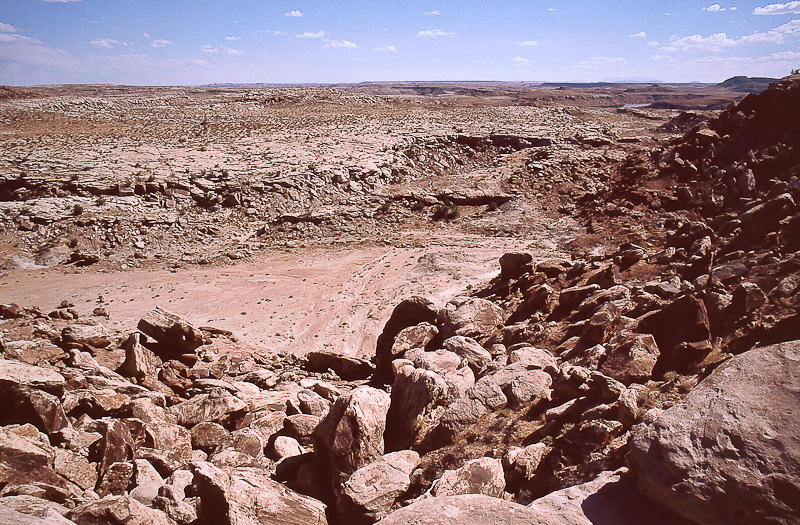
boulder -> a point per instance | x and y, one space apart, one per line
22 404
117 510
409 312
470 316
477 476
346 367
34 507
140 361
351 435
466 509
94 335
285 447
17 373
247 496
729 452
476 356
301 427
208 436
632 360
415 394
682 332
611 498
170 437
75 468
370 492
9 515
417 336
25 459
513 265
440 361
218 407
171 330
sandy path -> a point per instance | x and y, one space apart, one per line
301 300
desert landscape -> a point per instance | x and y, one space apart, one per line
400 302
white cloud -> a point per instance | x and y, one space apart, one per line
385 49
146 35
271 32
789 8
653 43
734 8
522 62
714 8
294 13
719 41
161 43
663 58
311 34
209 49
340 44
638 35
7 28
432 33
551 9
433 13
231 51
784 55
107 43
233 38
789 28
528 43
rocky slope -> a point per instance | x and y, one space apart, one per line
651 378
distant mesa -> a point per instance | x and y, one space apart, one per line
747 84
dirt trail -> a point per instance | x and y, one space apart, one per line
294 300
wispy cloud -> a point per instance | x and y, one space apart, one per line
432 33
385 49
107 43
310 34
340 44
208 48
653 43
714 8
789 8
521 62
433 13
271 32
528 43
719 41
294 13
160 42
233 38
594 63
7 28
231 51
638 35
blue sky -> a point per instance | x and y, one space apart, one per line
183 42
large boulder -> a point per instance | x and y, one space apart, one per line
117 510
94 335
17 373
372 490
415 394
409 312
345 366
247 496
682 332
351 435
632 360
611 498
730 451
217 407
466 509
140 361
477 357
470 316
172 331
22 404
476 476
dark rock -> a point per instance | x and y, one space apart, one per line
346 367
171 330
410 312
208 436
682 333
513 265
140 362
117 510
23 404
632 360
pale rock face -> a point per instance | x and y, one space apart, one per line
372 490
470 317
728 453
477 476
415 395
351 435
466 509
